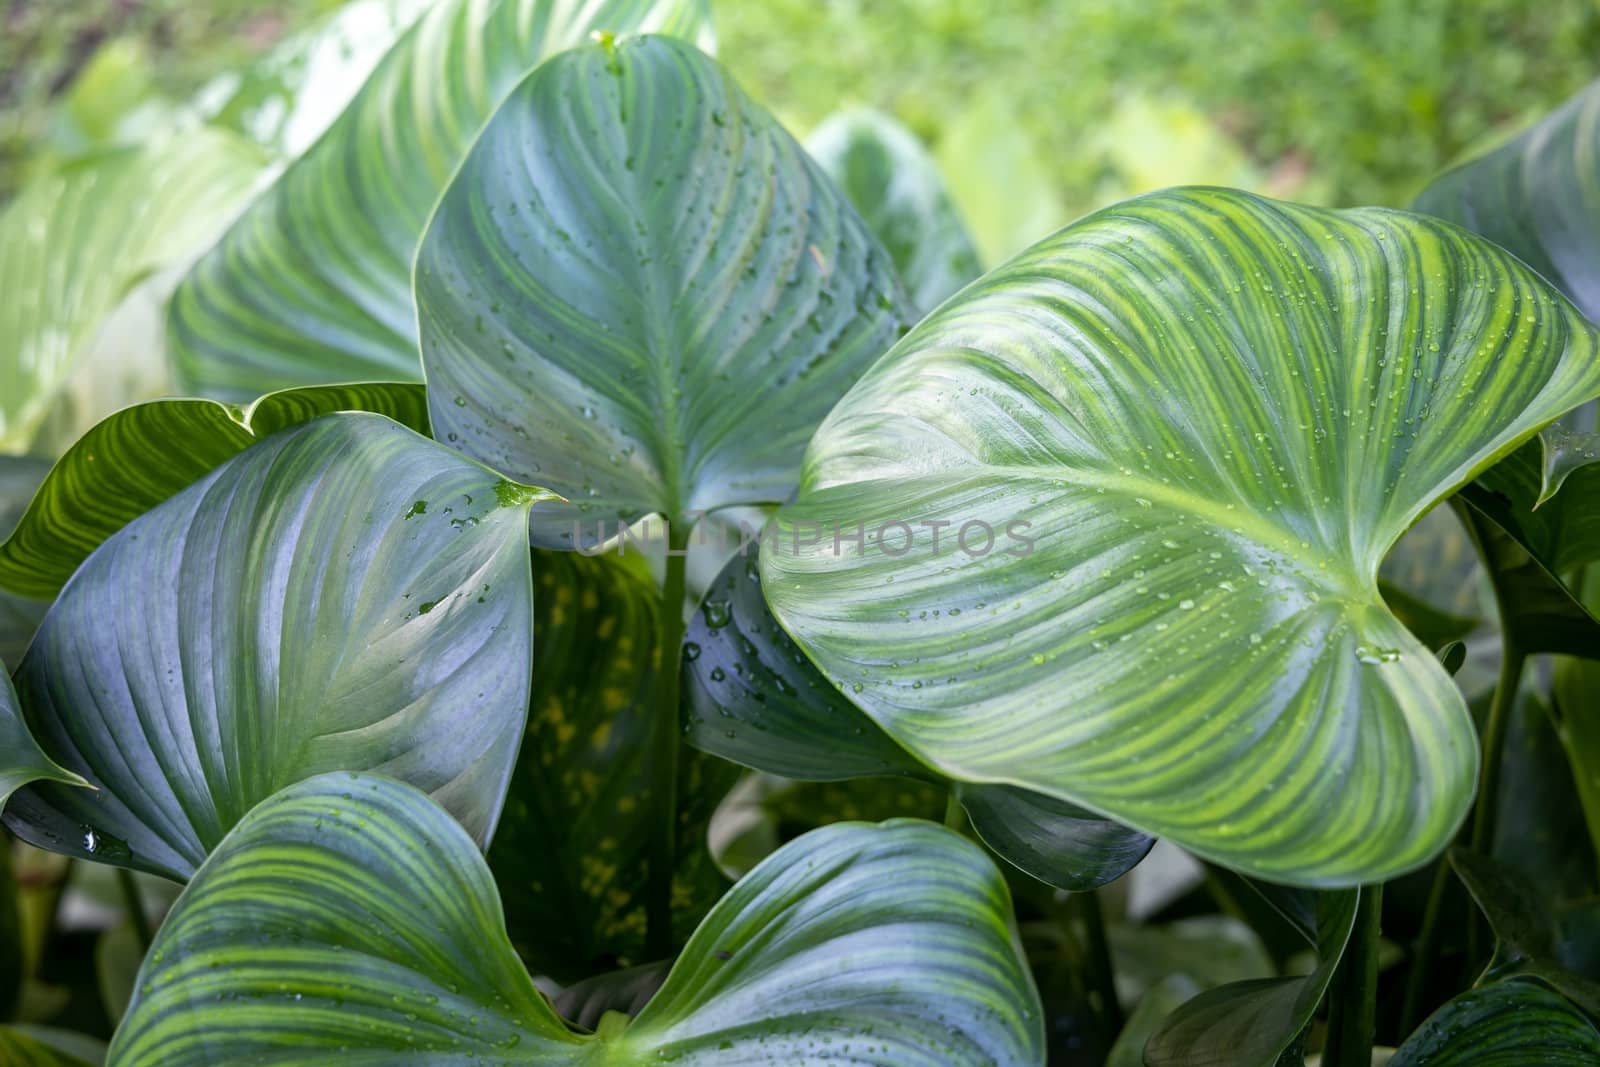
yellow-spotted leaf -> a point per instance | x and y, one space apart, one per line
343 595
348 919
76 241
640 292
572 849
312 285
1109 523
135 458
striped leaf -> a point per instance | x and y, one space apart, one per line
76 241
21 759
19 616
139 456
348 918
640 292
313 284
579 823
1506 1024
1172 444
1539 196
754 698
1252 1023
895 185
345 595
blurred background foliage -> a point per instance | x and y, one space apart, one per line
1063 104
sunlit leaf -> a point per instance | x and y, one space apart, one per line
358 923
640 292
1171 446
313 284
346 595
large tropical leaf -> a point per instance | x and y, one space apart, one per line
572 847
1506 1024
348 918
1172 444
754 698
139 456
344 595
639 291
895 185
74 243
21 759
1251 1023
1538 196
19 615
313 283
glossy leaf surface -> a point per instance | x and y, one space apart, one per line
347 595
75 242
571 850
139 456
1506 1024
1192 424
640 292
895 185
313 284
754 698
371 928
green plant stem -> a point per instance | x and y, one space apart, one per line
1102 978
955 816
1479 835
1353 1000
666 742
133 904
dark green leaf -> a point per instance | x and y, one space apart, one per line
1249 1024
895 185
29 1046
754 698
344 595
1507 1024
1193 424
585 1003
639 290
571 849
19 616
1576 701
313 284
1538 196
136 458
21 759
357 922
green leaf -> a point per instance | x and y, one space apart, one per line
21 759
139 456
1249 1024
1192 424
641 291
1507 1024
1576 701
572 847
357 921
76 241
753 697
345 595
1538 196
19 616
1433 582
1525 930
895 185
313 284
30 1046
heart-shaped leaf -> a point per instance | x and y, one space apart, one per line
572 848
1167 449
345 594
313 283
134 459
1539 196
21 759
358 922
641 291
754 698
895 185
1250 1024
73 243
1506 1024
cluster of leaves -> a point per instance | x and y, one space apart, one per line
369 649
